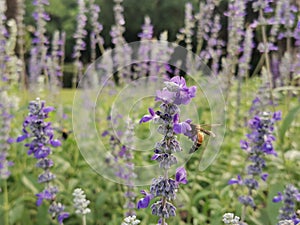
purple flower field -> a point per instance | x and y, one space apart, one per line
150 112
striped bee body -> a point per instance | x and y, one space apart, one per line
199 132
64 133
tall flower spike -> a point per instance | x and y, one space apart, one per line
145 48
257 146
40 41
174 93
121 158
6 104
42 139
122 56
96 39
80 202
3 40
79 36
289 197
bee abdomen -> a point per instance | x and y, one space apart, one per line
195 147
197 143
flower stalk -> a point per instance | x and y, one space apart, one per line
174 94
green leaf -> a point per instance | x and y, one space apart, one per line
29 183
16 213
293 113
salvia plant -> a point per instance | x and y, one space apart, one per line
81 204
238 39
174 94
121 158
287 212
95 37
230 218
41 136
79 36
7 103
40 42
259 143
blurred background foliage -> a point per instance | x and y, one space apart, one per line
164 14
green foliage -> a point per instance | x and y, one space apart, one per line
287 122
203 200
63 17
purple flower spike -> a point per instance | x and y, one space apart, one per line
41 135
180 175
164 187
289 197
258 145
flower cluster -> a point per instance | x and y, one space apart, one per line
204 21
122 56
213 50
186 33
40 41
97 29
258 145
6 104
80 202
145 48
130 220
42 139
3 39
174 94
121 158
230 218
79 36
290 196
287 222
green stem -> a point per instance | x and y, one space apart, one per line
6 203
238 101
164 200
258 66
288 95
83 220
243 216
267 58
75 73
101 47
199 47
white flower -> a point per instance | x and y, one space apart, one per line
80 202
286 222
130 220
229 218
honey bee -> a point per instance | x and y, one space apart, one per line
199 131
64 133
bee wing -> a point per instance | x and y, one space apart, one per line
208 132
211 125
